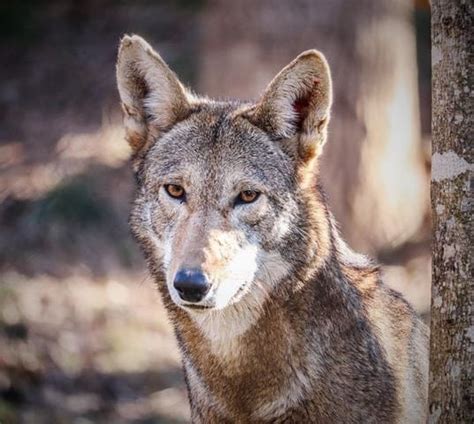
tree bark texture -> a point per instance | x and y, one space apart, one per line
372 168
452 329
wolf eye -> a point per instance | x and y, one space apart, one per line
247 196
175 191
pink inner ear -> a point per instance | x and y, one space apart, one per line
302 106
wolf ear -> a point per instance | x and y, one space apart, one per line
296 104
152 97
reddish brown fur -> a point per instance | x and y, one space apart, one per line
298 328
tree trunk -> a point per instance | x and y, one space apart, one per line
452 329
372 167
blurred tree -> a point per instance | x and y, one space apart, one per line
452 327
373 166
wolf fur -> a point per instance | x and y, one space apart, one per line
296 327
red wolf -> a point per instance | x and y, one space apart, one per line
276 318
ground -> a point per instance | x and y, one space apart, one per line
79 350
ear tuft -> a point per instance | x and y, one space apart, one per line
152 97
296 104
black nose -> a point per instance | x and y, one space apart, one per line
191 284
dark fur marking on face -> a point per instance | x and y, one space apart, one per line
217 126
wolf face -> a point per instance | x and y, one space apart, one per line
223 187
218 213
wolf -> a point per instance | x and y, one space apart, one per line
276 318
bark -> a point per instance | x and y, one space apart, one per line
452 329
372 167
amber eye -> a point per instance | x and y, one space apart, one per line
247 196
175 191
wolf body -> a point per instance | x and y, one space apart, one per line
277 320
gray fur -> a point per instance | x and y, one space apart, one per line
297 327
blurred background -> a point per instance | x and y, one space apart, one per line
83 335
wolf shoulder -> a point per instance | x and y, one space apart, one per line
404 339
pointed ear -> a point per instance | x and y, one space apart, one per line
296 104
152 97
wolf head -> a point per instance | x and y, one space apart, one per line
225 206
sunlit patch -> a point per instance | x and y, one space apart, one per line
11 154
106 146
241 271
75 153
